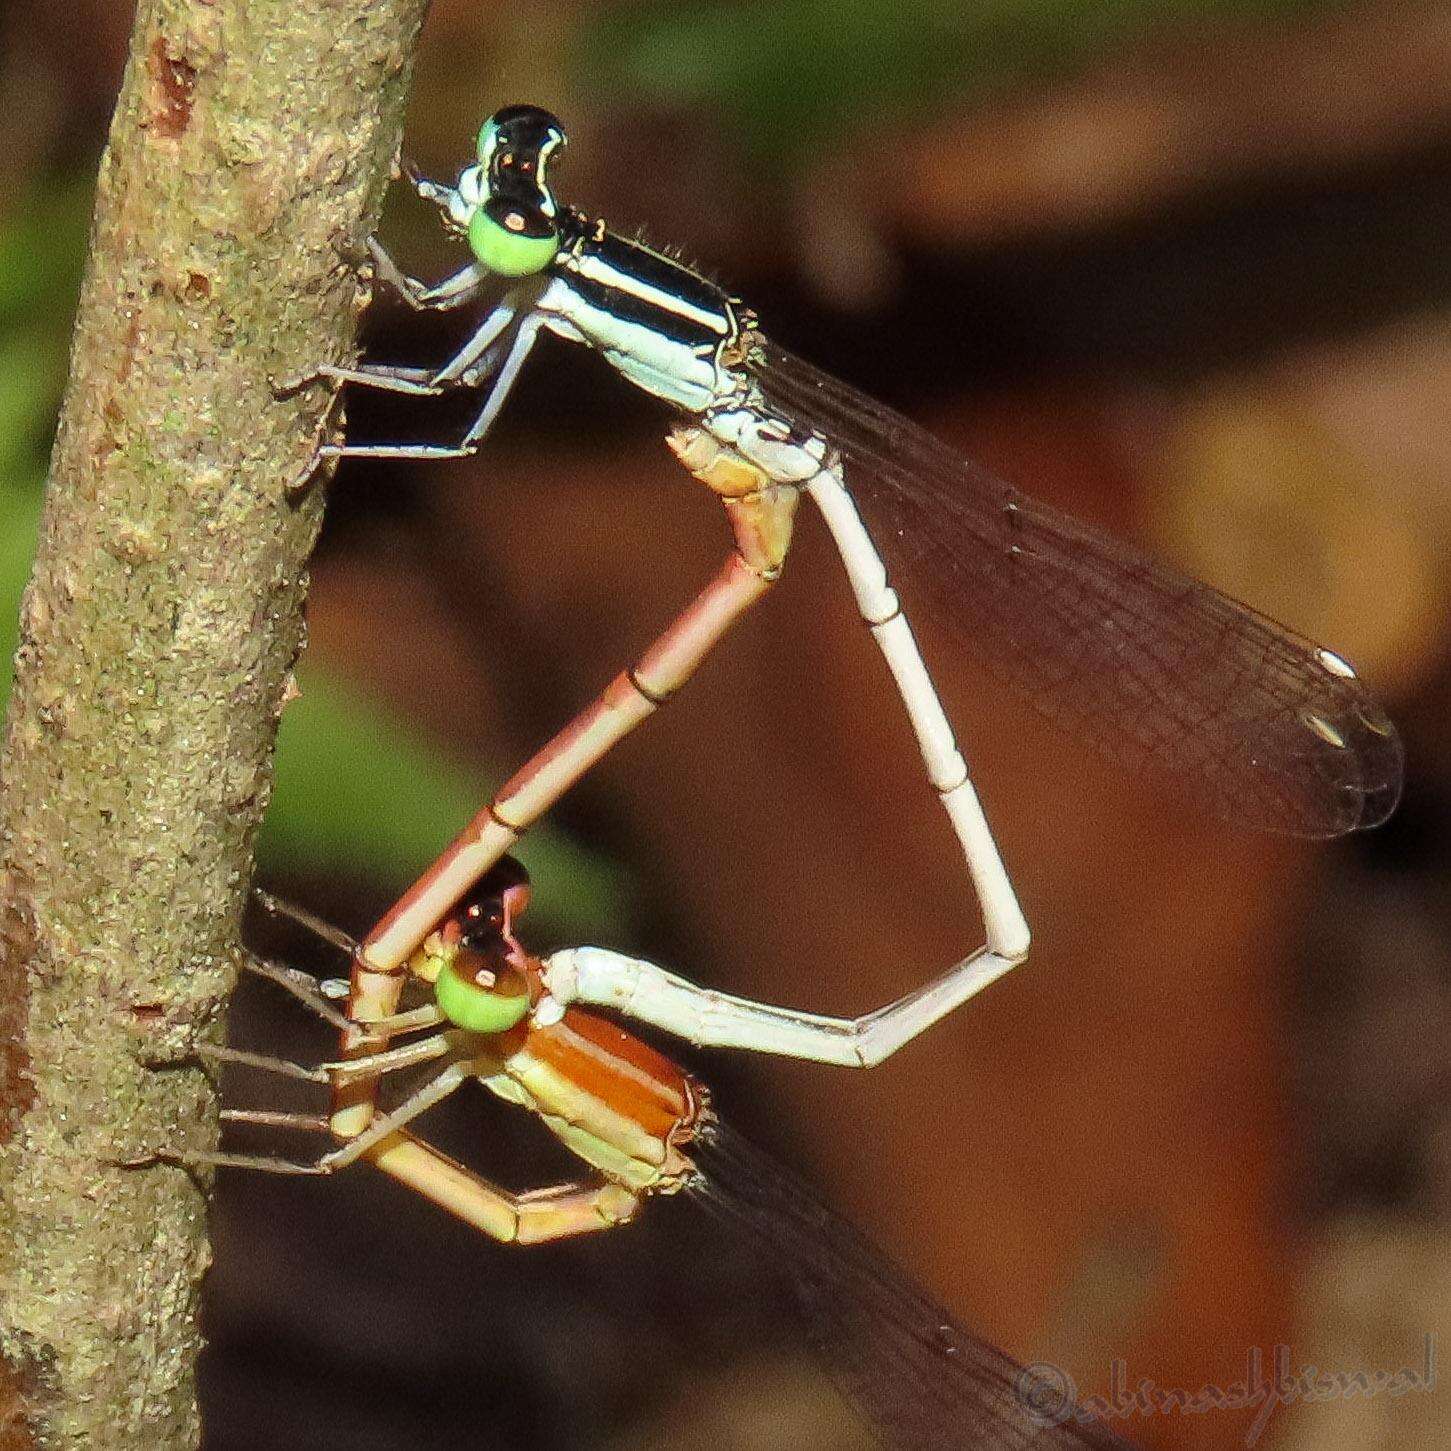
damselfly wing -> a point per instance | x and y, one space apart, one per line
1143 663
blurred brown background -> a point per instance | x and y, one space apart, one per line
1180 268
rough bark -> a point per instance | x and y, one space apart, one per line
247 161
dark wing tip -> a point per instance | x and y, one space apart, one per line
1358 753
1381 762
1320 771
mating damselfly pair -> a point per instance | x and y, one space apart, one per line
1126 654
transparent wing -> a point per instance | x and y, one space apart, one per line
1144 663
914 1375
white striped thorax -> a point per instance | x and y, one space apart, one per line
670 331
677 336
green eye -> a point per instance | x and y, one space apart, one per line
505 246
479 1009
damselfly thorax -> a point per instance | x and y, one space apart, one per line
663 325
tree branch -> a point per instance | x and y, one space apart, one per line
247 161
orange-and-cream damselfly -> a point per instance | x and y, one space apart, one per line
647 1128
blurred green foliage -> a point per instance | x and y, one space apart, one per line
358 793
792 76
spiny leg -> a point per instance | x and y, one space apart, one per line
383 377
305 990
468 445
285 1067
554 1212
300 986
419 1101
319 927
376 1064
395 378
273 1118
707 1018
434 1091
436 192
454 291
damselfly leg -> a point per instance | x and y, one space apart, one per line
454 291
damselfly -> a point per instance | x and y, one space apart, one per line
1128 655
647 1128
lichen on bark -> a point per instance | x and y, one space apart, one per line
247 160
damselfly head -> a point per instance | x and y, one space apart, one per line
482 991
488 914
482 983
505 203
480 926
516 146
